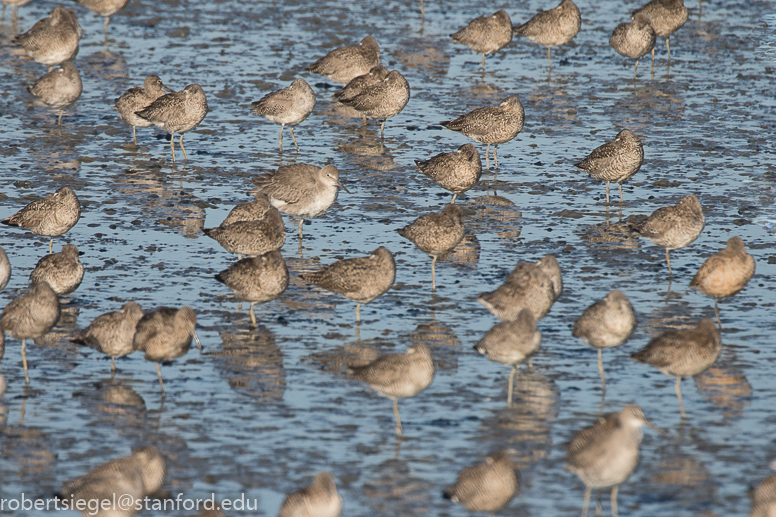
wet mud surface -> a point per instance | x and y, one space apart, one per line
265 409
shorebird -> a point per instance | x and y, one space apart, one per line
5 269
51 216
138 98
396 376
113 333
257 279
763 497
456 172
606 324
683 353
382 100
300 190
486 34
724 273
606 453
552 28
486 487
665 17
343 64
58 88
320 499
360 279
511 343
436 233
30 316
634 39
250 229
15 4
491 125
62 271
526 287
615 161
360 83
550 267
105 8
177 112
673 227
165 334
118 484
53 40
290 106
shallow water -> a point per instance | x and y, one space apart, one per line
263 410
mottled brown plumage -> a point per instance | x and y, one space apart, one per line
105 8
552 28
550 267
665 17
683 353
58 88
486 34
320 499
343 64
486 487
62 271
360 279
633 39
491 125
675 226
289 106
396 376
53 40
177 112
763 497
527 287
113 333
251 229
615 161
51 216
137 99
382 100
726 272
456 172
605 324
257 279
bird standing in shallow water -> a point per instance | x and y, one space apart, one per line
361 83
344 64
251 229
290 106
486 487
113 333
606 453
528 286
616 161
486 34
634 39
177 112
682 353
30 316
673 227
105 8
665 17
552 28
51 216
456 172
138 98
53 40
58 88
396 376
320 499
382 100
62 271
491 125
724 273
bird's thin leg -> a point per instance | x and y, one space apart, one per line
548 57
105 29
112 364
455 195
24 361
635 68
510 385
668 261
433 273
483 62
668 47
253 315
615 489
358 312
586 501
607 192
487 157
172 146
382 128
51 246
621 199
399 431
159 371
134 134
59 119
495 158
601 370
300 230
716 312
422 11
280 137
196 338
679 396
294 139
183 148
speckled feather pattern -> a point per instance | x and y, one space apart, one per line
320 499
257 279
486 34
59 88
511 342
137 99
554 27
665 16
62 271
290 105
113 333
251 238
634 39
360 279
436 233
165 334
382 100
177 112
608 322
527 287
51 216
343 64
52 40
683 353
675 226
456 172
486 487
32 314
398 376
617 160
493 124
300 189
726 272
362 82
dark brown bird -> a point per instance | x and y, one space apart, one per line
552 28
486 34
615 161
113 333
665 17
763 497
51 216
320 499
344 64
491 125
486 487
251 229
683 353
456 172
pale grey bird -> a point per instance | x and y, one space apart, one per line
550 267
62 271
633 39
287 106
113 333
5 269
552 28
138 98
319 499
665 17
456 172
491 125
615 161
606 324
512 343
486 34
382 100
486 487
177 112
50 216
53 40
396 376
15 4
30 316
606 453
343 64
58 88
